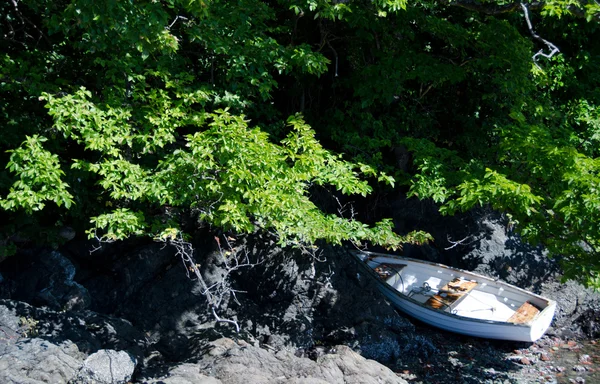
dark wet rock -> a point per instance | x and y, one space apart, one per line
578 310
107 366
126 276
32 361
589 319
288 300
44 278
90 331
294 309
305 299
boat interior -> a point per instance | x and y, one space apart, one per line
457 292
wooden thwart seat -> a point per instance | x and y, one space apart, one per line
450 293
387 270
524 314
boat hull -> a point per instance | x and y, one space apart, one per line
501 330
477 328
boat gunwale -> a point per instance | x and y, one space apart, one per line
551 304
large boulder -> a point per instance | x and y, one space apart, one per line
33 361
107 366
233 362
26 359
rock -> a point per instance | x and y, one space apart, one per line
47 278
107 366
545 356
307 300
67 233
124 278
525 361
585 359
62 292
294 310
233 362
90 331
288 301
10 326
184 374
32 361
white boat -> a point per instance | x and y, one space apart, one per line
459 301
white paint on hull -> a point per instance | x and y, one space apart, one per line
482 312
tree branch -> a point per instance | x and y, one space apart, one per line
553 48
23 20
491 9
499 9
217 292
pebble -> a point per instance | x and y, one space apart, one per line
585 359
544 357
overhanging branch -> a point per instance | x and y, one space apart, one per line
491 9
553 48
498 9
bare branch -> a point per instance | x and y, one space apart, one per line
459 242
219 319
491 9
23 20
499 9
100 240
553 48
174 21
217 292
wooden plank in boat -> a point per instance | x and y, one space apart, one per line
524 314
387 270
450 293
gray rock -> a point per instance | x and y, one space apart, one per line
90 331
10 326
185 374
233 362
32 361
107 366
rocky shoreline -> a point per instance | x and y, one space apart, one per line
129 313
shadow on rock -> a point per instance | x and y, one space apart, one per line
90 331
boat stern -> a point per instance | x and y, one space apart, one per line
541 323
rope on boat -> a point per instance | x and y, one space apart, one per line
421 290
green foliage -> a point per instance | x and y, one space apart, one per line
140 116
40 178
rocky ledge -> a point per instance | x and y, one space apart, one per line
58 349
130 313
